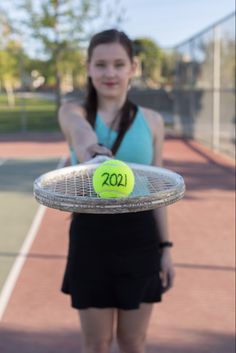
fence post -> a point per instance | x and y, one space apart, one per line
191 93
23 116
216 90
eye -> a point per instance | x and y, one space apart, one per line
100 65
120 64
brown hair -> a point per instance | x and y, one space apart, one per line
129 109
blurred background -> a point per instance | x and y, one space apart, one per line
185 53
185 50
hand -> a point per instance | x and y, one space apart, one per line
167 270
97 149
97 160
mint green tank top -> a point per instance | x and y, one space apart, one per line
136 145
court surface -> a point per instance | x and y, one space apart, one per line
196 316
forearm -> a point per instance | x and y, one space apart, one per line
79 133
90 148
82 138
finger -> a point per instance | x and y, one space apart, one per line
167 280
164 279
98 159
104 148
106 151
170 281
97 149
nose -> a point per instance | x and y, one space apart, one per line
110 72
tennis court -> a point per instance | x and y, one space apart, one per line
196 316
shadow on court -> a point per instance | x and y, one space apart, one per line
198 178
70 342
52 257
18 175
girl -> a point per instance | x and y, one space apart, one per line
118 265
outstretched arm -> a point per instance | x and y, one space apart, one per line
79 133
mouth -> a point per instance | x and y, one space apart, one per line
110 84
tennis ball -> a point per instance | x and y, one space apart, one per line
112 179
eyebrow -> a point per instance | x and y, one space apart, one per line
120 59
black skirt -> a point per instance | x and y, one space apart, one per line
113 261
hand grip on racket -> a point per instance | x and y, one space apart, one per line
99 150
97 159
70 189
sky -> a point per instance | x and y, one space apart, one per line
170 22
167 22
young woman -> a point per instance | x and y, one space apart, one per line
118 265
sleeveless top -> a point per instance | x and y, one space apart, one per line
136 145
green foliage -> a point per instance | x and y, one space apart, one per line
150 55
10 52
39 115
61 27
167 67
156 63
9 67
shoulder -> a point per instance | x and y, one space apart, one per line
71 117
70 110
155 121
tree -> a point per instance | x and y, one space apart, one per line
10 55
73 67
60 26
167 66
150 55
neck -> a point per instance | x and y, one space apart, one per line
110 106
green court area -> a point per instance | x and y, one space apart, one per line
18 206
28 114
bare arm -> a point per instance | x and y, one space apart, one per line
157 124
160 213
79 133
167 269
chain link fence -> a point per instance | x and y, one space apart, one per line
204 87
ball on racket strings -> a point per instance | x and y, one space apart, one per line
113 179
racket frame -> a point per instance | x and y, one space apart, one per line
85 204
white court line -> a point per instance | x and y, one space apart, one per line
22 255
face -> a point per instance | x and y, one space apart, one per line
110 69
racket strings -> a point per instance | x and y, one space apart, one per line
86 185
151 183
71 189
80 184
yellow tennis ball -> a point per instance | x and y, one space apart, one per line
112 179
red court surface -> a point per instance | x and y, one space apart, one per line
196 316
32 145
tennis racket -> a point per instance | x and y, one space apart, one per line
70 189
